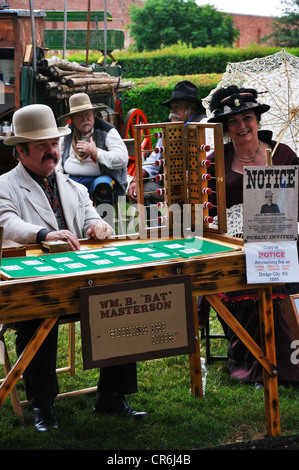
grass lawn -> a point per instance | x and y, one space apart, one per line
229 412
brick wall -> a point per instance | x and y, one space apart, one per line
252 28
117 8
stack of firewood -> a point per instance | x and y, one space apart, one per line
61 79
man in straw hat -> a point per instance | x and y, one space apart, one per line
94 153
38 203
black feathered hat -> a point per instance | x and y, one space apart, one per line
234 100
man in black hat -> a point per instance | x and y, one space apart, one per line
184 106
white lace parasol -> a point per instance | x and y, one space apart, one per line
276 77
234 217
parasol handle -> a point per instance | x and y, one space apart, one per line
293 114
268 157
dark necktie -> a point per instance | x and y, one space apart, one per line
55 202
48 187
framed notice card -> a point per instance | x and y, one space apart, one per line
270 195
136 320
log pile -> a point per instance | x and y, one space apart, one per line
61 79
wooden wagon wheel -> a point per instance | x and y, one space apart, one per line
135 116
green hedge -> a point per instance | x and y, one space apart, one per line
151 91
155 73
183 60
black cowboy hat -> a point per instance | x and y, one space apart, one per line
185 91
234 100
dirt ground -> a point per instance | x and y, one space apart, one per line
268 443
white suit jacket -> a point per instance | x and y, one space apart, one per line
25 209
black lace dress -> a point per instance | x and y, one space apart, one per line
244 305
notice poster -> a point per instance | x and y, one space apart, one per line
270 206
270 219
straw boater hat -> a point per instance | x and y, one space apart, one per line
80 102
34 122
185 91
234 100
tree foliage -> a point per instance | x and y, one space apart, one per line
286 28
162 23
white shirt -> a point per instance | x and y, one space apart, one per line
150 166
115 158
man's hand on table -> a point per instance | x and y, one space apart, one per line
99 230
65 235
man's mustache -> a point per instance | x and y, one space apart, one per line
49 156
176 116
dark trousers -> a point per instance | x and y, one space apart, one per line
40 378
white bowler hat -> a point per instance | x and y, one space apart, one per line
34 122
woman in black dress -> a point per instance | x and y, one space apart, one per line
240 112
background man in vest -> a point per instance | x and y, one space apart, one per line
94 153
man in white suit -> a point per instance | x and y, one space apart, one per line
39 203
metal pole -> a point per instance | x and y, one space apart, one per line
33 44
64 27
33 35
88 29
105 35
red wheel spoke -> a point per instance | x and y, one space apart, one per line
133 118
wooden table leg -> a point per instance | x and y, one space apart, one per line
268 346
72 345
194 358
242 334
265 355
26 356
13 394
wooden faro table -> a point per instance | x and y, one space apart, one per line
52 296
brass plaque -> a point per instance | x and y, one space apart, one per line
137 320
